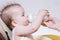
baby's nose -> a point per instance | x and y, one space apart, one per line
29 21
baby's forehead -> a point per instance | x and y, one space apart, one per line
13 9
12 6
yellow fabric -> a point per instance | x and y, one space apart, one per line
52 37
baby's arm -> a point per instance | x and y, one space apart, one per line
21 30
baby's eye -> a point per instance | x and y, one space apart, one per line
23 15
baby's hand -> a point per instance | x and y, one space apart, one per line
43 12
45 15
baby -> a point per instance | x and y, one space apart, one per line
15 18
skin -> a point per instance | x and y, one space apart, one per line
21 23
53 23
24 27
33 27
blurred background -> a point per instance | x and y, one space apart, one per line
33 6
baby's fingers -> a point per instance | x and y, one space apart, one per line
44 12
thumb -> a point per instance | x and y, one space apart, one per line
49 24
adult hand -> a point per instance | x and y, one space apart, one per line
53 23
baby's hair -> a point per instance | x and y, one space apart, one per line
8 6
4 15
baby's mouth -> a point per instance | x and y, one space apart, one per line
29 22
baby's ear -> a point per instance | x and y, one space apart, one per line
14 23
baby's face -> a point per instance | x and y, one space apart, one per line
19 17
